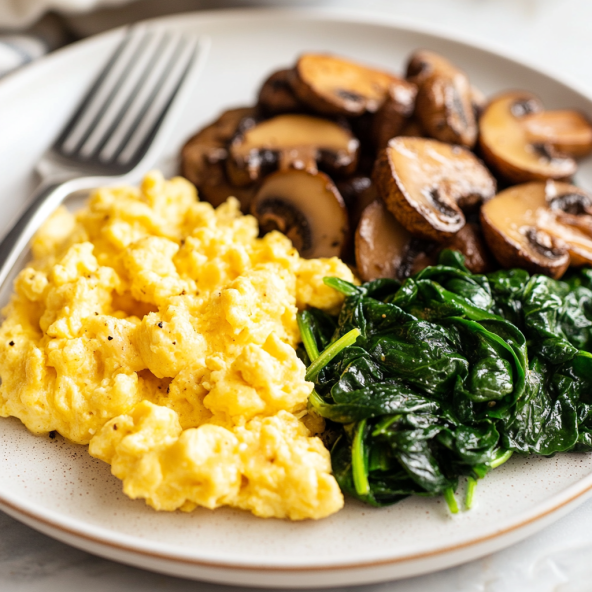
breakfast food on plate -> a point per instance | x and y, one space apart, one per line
522 149
204 159
360 134
161 332
447 375
307 208
290 140
425 183
542 227
202 352
451 371
444 103
335 86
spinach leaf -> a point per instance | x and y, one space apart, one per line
545 419
429 381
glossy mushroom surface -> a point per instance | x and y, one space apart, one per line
381 243
204 155
291 140
445 99
276 95
542 227
425 183
508 146
568 132
307 208
337 86
395 112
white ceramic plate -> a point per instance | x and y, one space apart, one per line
60 490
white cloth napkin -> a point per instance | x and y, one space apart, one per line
20 13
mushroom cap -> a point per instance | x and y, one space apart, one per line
470 242
568 132
291 140
424 183
395 112
204 155
307 208
535 226
445 99
381 243
276 95
569 218
336 86
507 147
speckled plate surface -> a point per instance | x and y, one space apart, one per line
59 489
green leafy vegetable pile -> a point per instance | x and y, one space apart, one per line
448 374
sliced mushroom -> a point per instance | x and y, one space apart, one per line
291 141
507 144
385 249
381 243
444 102
425 183
204 155
307 208
276 95
469 241
333 85
391 118
569 219
540 226
568 132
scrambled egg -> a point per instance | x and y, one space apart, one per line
161 332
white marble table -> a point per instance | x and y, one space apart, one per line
554 34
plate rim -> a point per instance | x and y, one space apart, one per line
78 528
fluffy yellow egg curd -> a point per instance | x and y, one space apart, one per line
161 332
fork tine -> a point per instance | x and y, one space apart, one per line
137 72
100 93
155 108
122 114
144 95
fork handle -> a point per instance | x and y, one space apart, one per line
44 202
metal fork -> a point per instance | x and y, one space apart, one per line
119 128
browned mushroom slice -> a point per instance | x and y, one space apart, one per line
385 249
507 146
307 208
568 132
381 243
525 226
425 183
444 103
333 85
469 241
204 155
569 218
291 140
276 95
391 118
